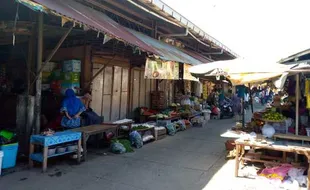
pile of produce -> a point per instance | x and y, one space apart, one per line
126 143
273 116
159 116
139 127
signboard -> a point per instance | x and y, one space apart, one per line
158 69
187 75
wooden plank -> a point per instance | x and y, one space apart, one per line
291 137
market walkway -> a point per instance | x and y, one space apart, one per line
190 160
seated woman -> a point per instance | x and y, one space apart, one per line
91 118
72 108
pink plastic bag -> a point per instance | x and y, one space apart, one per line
278 172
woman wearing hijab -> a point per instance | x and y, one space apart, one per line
72 107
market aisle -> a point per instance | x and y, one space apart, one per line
188 161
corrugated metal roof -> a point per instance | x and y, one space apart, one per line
94 19
197 56
166 51
101 22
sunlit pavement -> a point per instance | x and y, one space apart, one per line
190 160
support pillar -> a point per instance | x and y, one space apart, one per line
39 74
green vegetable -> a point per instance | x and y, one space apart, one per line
126 143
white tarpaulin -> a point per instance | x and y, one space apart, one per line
240 71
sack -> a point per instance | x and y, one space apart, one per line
117 148
136 139
171 130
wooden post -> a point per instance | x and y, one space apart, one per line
251 98
242 111
39 74
297 94
87 68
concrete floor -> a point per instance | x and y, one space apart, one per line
190 160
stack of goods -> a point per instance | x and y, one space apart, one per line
71 75
158 100
59 77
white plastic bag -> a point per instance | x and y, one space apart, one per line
268 131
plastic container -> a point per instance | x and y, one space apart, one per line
10 155
1 157
61 149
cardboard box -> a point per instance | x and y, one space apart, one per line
46 77
71 77
71 66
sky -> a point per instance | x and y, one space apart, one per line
254 29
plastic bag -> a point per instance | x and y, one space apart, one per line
136 139
171 130
117 148
182 124
268 131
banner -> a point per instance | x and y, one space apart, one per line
158 69
187 75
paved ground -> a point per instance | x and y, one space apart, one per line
190 160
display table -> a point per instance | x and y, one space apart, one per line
240 144
94 130
58 138
292 137
121 133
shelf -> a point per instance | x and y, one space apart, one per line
39 156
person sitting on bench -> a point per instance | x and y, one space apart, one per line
91 118
72 108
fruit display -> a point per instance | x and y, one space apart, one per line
273 116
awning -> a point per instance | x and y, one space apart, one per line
93 19
100 22
166 52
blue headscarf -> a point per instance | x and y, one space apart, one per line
71 103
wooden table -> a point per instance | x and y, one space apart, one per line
292 137
120 133
59 138
94 130
240 144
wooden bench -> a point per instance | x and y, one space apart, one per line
94 130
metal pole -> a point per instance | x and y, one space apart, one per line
297 94
39 74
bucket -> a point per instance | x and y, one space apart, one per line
10 154
1 156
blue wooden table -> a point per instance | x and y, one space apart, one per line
58 138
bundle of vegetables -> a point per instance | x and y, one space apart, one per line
126 143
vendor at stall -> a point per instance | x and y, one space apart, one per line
72 108
89 115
